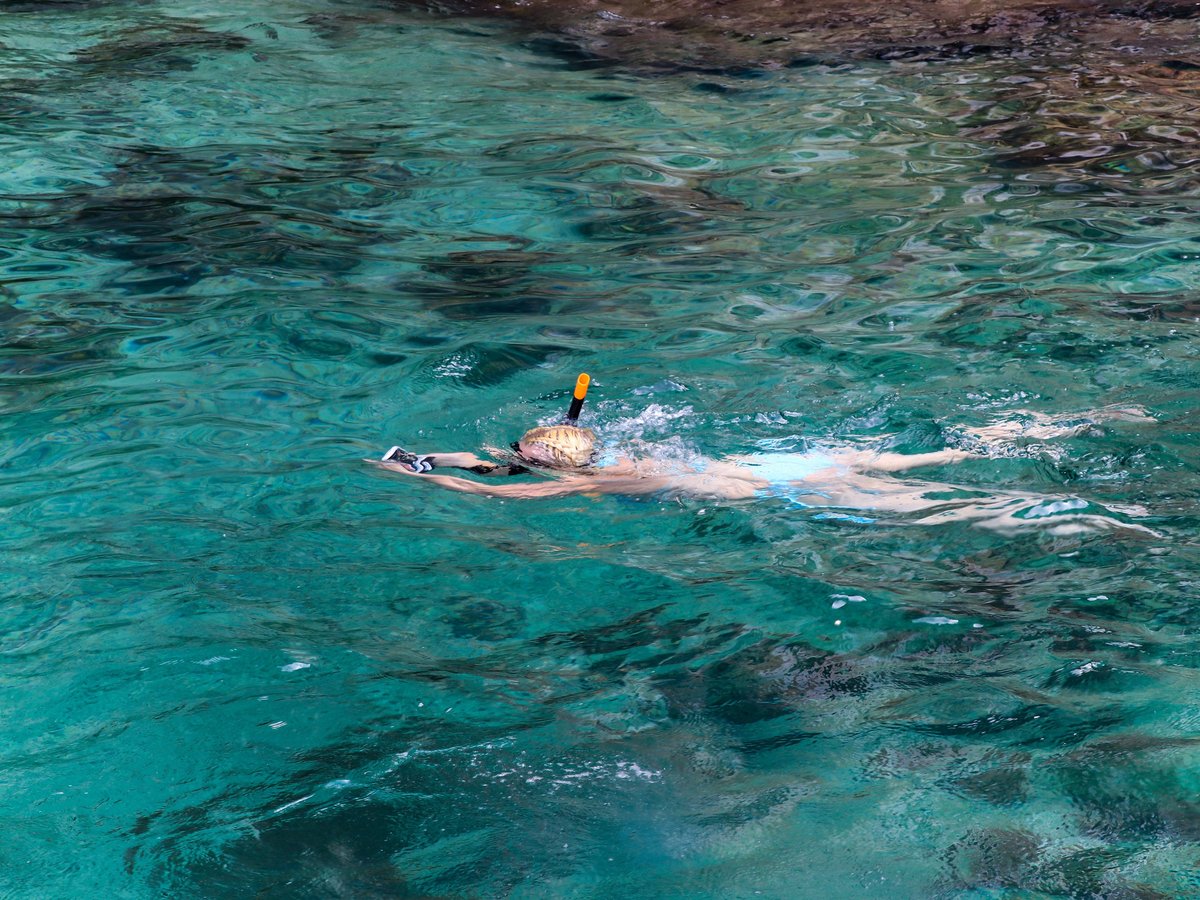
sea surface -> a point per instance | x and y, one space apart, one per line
245 246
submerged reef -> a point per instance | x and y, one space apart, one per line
1099 90
722 35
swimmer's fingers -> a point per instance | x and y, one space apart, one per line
402 468
1038 429
1039 426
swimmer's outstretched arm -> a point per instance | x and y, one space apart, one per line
511 491
564 486
558 488
477 464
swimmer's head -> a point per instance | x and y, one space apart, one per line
558 446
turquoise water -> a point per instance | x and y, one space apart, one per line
243 250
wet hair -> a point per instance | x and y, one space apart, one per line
561 446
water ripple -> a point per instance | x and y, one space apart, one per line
244 249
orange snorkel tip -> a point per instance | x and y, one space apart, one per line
581 388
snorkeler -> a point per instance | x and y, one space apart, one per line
833 478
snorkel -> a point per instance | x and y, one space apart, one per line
581 386
563 446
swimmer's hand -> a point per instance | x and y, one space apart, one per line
402 467
404 459
420 464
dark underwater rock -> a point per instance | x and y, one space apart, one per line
158 48
483 619
482 364
343 27
1002 786
1010 859
762 682
177 216
1133 788
996 858
37 6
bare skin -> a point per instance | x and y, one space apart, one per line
854 480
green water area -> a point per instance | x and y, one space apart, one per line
245 246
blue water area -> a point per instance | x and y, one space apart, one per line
246 246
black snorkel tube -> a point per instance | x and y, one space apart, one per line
581 388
